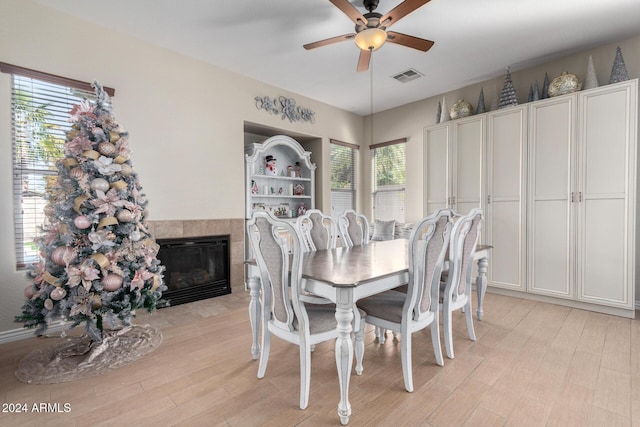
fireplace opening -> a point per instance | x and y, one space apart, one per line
195 268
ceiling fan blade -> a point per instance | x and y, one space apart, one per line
409 41
400 11
363 60
331 40
349 10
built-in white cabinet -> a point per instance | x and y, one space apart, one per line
551 232
454 153
557 180
606 199
583 186
283 191
505 214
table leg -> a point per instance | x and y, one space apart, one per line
255 311
344 349
481 284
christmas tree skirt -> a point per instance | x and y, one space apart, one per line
79 357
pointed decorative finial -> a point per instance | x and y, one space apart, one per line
590 79
619 69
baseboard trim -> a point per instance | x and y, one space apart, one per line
630 314
22 333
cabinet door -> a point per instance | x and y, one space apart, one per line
468 157
550 239
606 213
437 166
505 213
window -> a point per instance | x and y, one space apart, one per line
40 105
389 178
343 176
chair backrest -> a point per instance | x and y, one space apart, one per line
319 231
280 271
462 248
428 244
354 228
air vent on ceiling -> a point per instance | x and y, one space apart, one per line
408 75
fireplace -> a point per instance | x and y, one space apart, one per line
195 268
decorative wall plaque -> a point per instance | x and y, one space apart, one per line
286 107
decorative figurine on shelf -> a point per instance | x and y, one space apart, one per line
254 187
298 190
298 170
302 209
270 167
280 190
290 172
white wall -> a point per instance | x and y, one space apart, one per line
185 120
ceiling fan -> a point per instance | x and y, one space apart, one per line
371 29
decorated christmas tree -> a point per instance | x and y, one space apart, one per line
98 260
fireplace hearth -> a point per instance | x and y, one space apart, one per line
195 268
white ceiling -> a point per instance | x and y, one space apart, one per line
475 40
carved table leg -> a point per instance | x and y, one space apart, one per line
481 284
255 312
344 349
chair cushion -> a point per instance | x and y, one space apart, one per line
383 230
386 305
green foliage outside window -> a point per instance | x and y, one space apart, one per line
389 165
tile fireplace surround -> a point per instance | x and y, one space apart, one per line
171 229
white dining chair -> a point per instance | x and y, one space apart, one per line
455 293
279 261
354 228
416 309
319 231
440 213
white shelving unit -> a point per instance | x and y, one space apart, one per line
277 193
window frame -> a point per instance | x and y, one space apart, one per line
36 171
400 187
354 175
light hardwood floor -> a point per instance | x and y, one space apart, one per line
533 364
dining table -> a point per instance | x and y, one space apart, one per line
345 275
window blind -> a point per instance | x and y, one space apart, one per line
388 163
344 176
40 112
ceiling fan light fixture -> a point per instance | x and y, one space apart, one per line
371 39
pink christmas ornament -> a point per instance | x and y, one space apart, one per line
126 169
106 148
82 222
63 255
125 215
111 282
29 291
100 184
48 304
76 173
57 294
